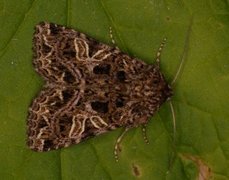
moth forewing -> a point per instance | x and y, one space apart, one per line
91 88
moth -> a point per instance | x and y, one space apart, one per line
90 88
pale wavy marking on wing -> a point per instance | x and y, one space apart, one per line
98 118
100 55
82 49
81 126
79 122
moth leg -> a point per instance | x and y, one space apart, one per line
158 56
144 134
111 36
117 144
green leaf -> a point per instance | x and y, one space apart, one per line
200 98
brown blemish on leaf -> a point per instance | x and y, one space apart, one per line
204 170
136 170
168 18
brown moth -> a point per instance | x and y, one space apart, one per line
91 88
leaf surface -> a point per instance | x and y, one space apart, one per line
201 98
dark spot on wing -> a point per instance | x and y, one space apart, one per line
121 76
102 69
101 107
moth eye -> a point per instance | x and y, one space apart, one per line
102 69
119 102
101 107
121 75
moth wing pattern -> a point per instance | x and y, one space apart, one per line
91 88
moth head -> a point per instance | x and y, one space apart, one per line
160 88
168 92
165 89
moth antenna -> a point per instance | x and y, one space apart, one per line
183 57
117 144
158 56
144 134
180 66
185 52
174 119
